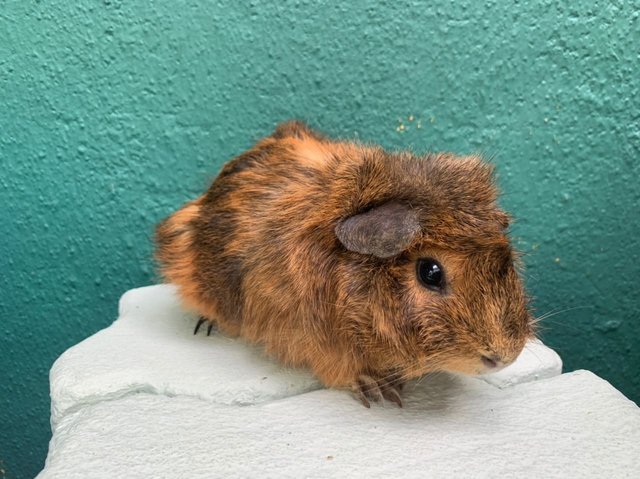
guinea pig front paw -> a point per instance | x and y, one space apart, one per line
367 388
210 327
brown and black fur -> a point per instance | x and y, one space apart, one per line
309 247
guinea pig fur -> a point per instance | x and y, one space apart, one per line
366 266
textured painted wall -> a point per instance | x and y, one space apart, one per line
112 114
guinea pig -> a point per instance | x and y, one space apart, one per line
368 267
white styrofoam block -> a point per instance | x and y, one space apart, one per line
145 398
573 425
151 348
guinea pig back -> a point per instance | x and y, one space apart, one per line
368 267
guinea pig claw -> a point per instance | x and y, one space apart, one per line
390 393
360 395
200 321
366 388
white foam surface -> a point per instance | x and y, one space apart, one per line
151 348
146 398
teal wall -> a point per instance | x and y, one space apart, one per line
114 113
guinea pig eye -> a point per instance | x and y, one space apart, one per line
430 274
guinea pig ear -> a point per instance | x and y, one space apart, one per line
383 231
295 129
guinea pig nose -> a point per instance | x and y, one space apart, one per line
490 361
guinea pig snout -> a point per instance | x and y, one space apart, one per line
491 362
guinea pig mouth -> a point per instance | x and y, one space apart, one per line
480 365
491 364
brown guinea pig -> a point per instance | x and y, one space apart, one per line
366 266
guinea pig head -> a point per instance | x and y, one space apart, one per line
433 262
